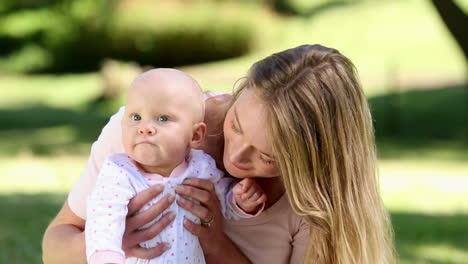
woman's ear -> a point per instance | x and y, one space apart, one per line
199 130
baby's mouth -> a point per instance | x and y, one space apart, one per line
146 142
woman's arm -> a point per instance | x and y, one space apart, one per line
217 247
64 240
300 243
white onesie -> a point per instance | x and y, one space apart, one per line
120 180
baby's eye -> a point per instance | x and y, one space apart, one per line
163 118
135 117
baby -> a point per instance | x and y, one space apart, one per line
161 129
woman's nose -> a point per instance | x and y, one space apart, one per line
240 153
147 129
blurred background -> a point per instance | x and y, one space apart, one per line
64 65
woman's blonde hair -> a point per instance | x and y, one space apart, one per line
323 142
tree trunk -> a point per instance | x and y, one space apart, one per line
455 20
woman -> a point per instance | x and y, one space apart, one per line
300 125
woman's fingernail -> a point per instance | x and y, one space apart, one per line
166 246
172 216
188 181
171 198
181 200
179 188
158 187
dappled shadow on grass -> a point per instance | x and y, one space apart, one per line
24 220
414 231
415 120
46 130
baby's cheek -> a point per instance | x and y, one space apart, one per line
126 142
176 144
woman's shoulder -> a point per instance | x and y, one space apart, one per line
210 94
216 107
280 227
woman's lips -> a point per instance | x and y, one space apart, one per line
238 166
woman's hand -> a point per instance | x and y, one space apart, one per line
132 236
217 247
211 236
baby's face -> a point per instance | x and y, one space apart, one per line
159 120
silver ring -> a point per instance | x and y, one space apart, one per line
207 223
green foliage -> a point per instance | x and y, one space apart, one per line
77 35
182 35
9 6
305 7
28 58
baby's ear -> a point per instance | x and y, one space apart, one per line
199 130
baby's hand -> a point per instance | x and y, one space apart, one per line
248 195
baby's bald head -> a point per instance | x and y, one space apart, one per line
176 86
165 108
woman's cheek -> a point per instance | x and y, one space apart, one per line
273 170
266 170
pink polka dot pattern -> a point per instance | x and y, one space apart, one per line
120 180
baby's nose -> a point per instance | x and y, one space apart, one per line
147 130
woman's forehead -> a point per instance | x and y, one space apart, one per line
250 114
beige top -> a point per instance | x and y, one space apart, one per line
276 236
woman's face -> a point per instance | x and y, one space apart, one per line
247 147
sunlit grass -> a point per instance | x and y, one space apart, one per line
390 42
30 174
438 252
394 44
407 185
70 90
426 186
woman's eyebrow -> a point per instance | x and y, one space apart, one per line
237 120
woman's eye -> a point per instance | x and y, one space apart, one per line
267 161
163 118
234 128
136 117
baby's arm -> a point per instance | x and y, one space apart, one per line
107 211
249 196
